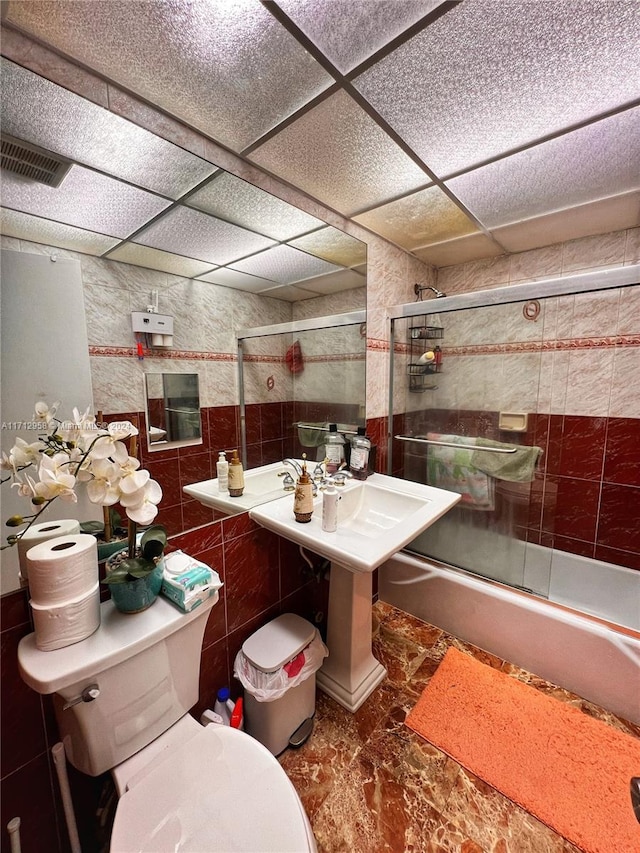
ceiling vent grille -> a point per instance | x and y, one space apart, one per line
33 163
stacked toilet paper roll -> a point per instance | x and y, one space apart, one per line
65 592
41 533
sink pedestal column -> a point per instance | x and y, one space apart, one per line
351 673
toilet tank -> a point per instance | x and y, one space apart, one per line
146 667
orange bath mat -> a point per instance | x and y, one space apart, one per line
572 772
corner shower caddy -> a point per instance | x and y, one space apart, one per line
418 336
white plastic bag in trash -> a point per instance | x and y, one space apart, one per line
269 686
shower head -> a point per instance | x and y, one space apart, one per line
418 288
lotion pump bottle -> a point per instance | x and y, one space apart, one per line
303 497
330 509
236 476
222 470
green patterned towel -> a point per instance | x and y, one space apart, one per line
518 467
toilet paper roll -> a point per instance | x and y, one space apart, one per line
40 533
157 340
66 623
62 569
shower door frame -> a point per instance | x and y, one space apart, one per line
292 327
602 279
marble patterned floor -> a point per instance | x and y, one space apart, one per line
371 785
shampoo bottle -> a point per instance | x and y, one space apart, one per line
334 449
330 509
236 476
303 497
359 459
222 470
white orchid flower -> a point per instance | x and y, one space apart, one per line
45 413
25 485
111 443
103 487
133 480
23 454
6 464
130 466
56 481
80 451
140 505
81 429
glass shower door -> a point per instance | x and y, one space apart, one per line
473 428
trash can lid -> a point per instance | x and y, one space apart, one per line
278 642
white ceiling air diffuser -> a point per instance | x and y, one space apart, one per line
32 163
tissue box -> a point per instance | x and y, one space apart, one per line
188 582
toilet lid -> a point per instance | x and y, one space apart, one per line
222 791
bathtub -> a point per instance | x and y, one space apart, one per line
595 658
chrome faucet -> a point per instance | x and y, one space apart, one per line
296 467
338 478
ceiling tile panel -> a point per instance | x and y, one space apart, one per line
597 161
335 282
338 154
284 265
489 76
599 217
188 232
471 247
428 216
334 246
226 67
36 110
239 280
237 201
348 32
154 259
289 293
85 199
27 227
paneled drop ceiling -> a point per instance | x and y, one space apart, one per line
456 130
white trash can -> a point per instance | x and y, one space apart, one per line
277 667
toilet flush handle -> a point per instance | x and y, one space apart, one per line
88 695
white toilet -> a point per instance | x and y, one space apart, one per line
121 700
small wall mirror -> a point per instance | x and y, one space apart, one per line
173 409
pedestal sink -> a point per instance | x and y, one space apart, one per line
376 518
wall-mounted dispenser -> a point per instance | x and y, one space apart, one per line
157 327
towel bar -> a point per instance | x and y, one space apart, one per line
453 444
303 425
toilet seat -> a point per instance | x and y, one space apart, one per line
220 791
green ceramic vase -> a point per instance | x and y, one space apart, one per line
136 595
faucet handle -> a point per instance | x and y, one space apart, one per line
288 484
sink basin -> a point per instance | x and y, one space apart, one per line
260 486
376 518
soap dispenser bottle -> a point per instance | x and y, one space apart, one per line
236 476
359 459
222 470
303 497
334 449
